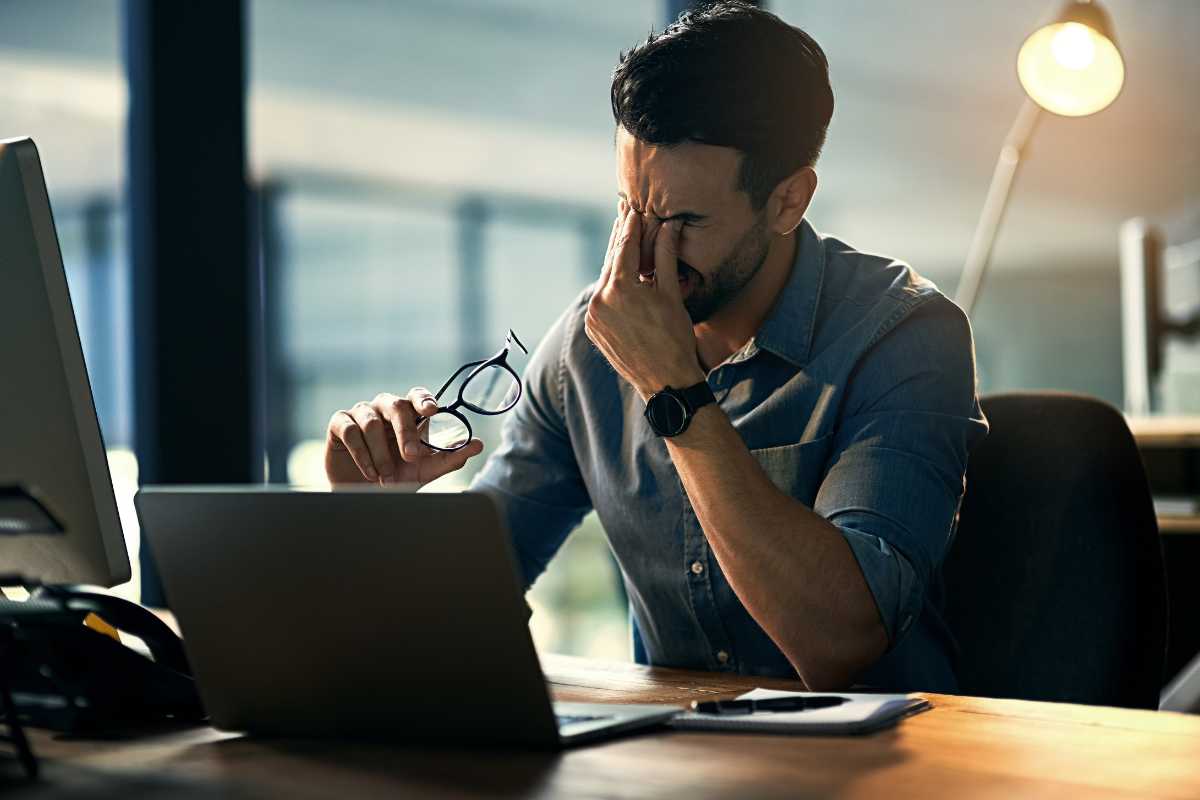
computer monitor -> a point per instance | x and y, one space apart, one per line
50 442
1160 301
1141 313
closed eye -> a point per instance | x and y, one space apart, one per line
685 218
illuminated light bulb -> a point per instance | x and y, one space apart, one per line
1072 46
1071 68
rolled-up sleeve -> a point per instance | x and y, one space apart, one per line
898 466
534 476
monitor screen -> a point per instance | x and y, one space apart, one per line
51 447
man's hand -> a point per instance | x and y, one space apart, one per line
378 442
639 322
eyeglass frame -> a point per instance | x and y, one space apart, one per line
476 367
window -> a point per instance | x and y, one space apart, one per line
433 174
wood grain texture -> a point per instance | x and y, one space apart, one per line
1173 523
964 747
1164 431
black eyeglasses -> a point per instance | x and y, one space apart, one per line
491 387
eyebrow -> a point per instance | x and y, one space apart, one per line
686 216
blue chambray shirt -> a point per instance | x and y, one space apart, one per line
857 397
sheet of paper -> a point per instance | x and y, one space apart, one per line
767 694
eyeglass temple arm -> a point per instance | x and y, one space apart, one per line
512 337
454 377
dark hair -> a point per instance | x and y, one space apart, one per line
732 75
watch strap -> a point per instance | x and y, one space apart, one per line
697 396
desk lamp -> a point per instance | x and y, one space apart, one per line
1071 67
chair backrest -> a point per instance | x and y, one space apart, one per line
1055 587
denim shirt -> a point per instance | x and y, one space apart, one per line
856 396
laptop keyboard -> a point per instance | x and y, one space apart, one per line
569 719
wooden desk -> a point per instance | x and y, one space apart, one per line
964 747
1164 431
1170 448
1174 523
1161 433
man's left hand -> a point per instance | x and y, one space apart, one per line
637 321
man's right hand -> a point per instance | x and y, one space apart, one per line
378 442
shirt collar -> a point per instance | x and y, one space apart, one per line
788 329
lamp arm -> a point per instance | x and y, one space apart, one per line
1186 327
980 254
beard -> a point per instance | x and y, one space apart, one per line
717 289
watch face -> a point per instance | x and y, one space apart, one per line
666 414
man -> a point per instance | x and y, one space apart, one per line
772 427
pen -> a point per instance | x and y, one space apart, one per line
771 704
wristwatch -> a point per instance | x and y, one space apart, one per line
670 411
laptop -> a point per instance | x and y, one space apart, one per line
361 614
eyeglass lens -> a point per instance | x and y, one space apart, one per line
445 431
494 389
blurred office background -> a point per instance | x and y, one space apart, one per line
427 175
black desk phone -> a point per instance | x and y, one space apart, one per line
70 676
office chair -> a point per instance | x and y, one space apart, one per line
1055 588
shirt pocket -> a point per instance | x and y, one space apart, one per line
797 469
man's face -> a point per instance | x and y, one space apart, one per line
723 241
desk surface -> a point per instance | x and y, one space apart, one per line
964 747
1171 433
1163 431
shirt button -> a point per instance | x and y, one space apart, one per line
697 568
722 656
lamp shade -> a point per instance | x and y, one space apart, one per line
1072 66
